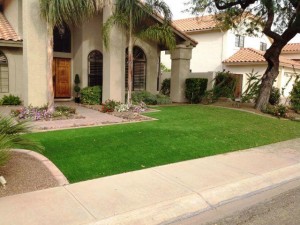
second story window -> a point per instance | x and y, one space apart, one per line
239 41
263 46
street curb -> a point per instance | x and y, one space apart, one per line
57 174
190 205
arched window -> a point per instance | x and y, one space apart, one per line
139 69
62 38
95 68
4 78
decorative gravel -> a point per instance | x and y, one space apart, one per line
24 173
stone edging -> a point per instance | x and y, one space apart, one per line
57 174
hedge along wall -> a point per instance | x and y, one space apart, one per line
210 76
195 89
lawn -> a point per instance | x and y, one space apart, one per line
181 133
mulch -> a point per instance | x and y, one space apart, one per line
24 173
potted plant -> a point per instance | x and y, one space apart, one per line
77 88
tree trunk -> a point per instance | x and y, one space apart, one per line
272 57
266 87
130 62
50 70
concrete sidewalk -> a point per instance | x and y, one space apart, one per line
158 195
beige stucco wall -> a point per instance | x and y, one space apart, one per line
15 70
291 55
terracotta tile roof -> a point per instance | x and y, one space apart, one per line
250 55
7 33
293 47
196 23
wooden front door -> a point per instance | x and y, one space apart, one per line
62 77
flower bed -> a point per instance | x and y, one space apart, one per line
42 113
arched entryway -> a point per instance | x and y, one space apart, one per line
139 69
95 68
4 76
62 65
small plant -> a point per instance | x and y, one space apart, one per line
77 88
166 87
10 100
109 105
195 89
163 99
295 96
277 110
91 95
253 85
142 107
275 96
122 108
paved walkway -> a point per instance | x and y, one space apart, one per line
158 195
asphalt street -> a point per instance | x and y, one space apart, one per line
280 206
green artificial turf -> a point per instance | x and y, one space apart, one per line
181 133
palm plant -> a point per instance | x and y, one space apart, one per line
58 12
135 19
11 136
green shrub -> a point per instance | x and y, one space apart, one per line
195 89
275 96
225 85
163 99
166 87
295 96
10 100
149 99
277 110
91 95
110 105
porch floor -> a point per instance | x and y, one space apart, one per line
91 118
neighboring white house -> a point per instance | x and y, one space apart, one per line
230 50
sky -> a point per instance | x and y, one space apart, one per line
177 6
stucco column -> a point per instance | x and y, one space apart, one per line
34 55
181 58
114 63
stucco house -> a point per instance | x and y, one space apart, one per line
79 50
234 51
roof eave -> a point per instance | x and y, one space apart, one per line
14 44
243 63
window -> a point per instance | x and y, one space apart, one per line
95 70
263 46
62 38
239 41
4 79
139 69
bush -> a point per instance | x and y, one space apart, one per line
166 87
91 95
195 89
275 96
295 96
10 100
277 110
163 99
149 99
225 85
110 105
